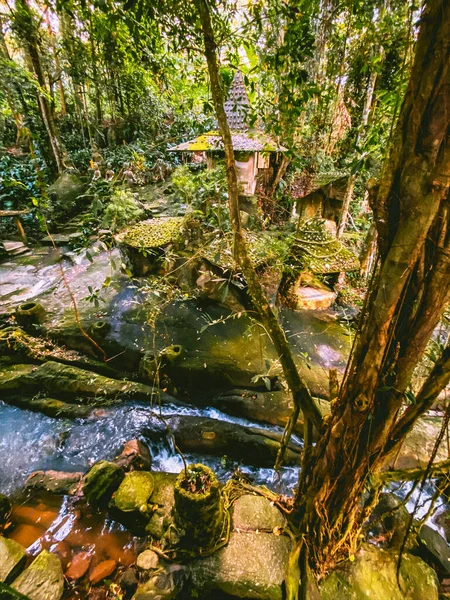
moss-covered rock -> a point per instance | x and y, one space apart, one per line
52 407
43 579
58 378
64 196
153 233
12 376
101 482
144 244
134 491
373 575
264 247
255 513
252 565
315 249
166 584
163 500
12 559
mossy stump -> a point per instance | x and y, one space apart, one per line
30 313
144 245
199 514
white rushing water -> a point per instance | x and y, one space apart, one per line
31 441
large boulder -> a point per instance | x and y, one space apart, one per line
64 196
418 445
389 522
43 579
268 407
252 565
373 575
12 559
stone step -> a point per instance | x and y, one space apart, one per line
61 239
15 248
11 245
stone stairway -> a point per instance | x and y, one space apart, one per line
43 579
15 248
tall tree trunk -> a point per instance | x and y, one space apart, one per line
98 101
411 290
361 134
17 116
26 29
301 395
62 94
368 252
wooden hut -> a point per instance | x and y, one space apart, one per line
258 156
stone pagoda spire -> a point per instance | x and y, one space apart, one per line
237 104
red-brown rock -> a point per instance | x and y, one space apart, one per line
102 570
26 535
79 566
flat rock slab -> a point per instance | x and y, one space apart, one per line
12 557
61 239
55 482
310 298
210 436
43 579
71 381
252 565
255 513
102 571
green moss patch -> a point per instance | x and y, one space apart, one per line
134 491
316 250
153 233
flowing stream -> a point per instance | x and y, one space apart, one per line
30 441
